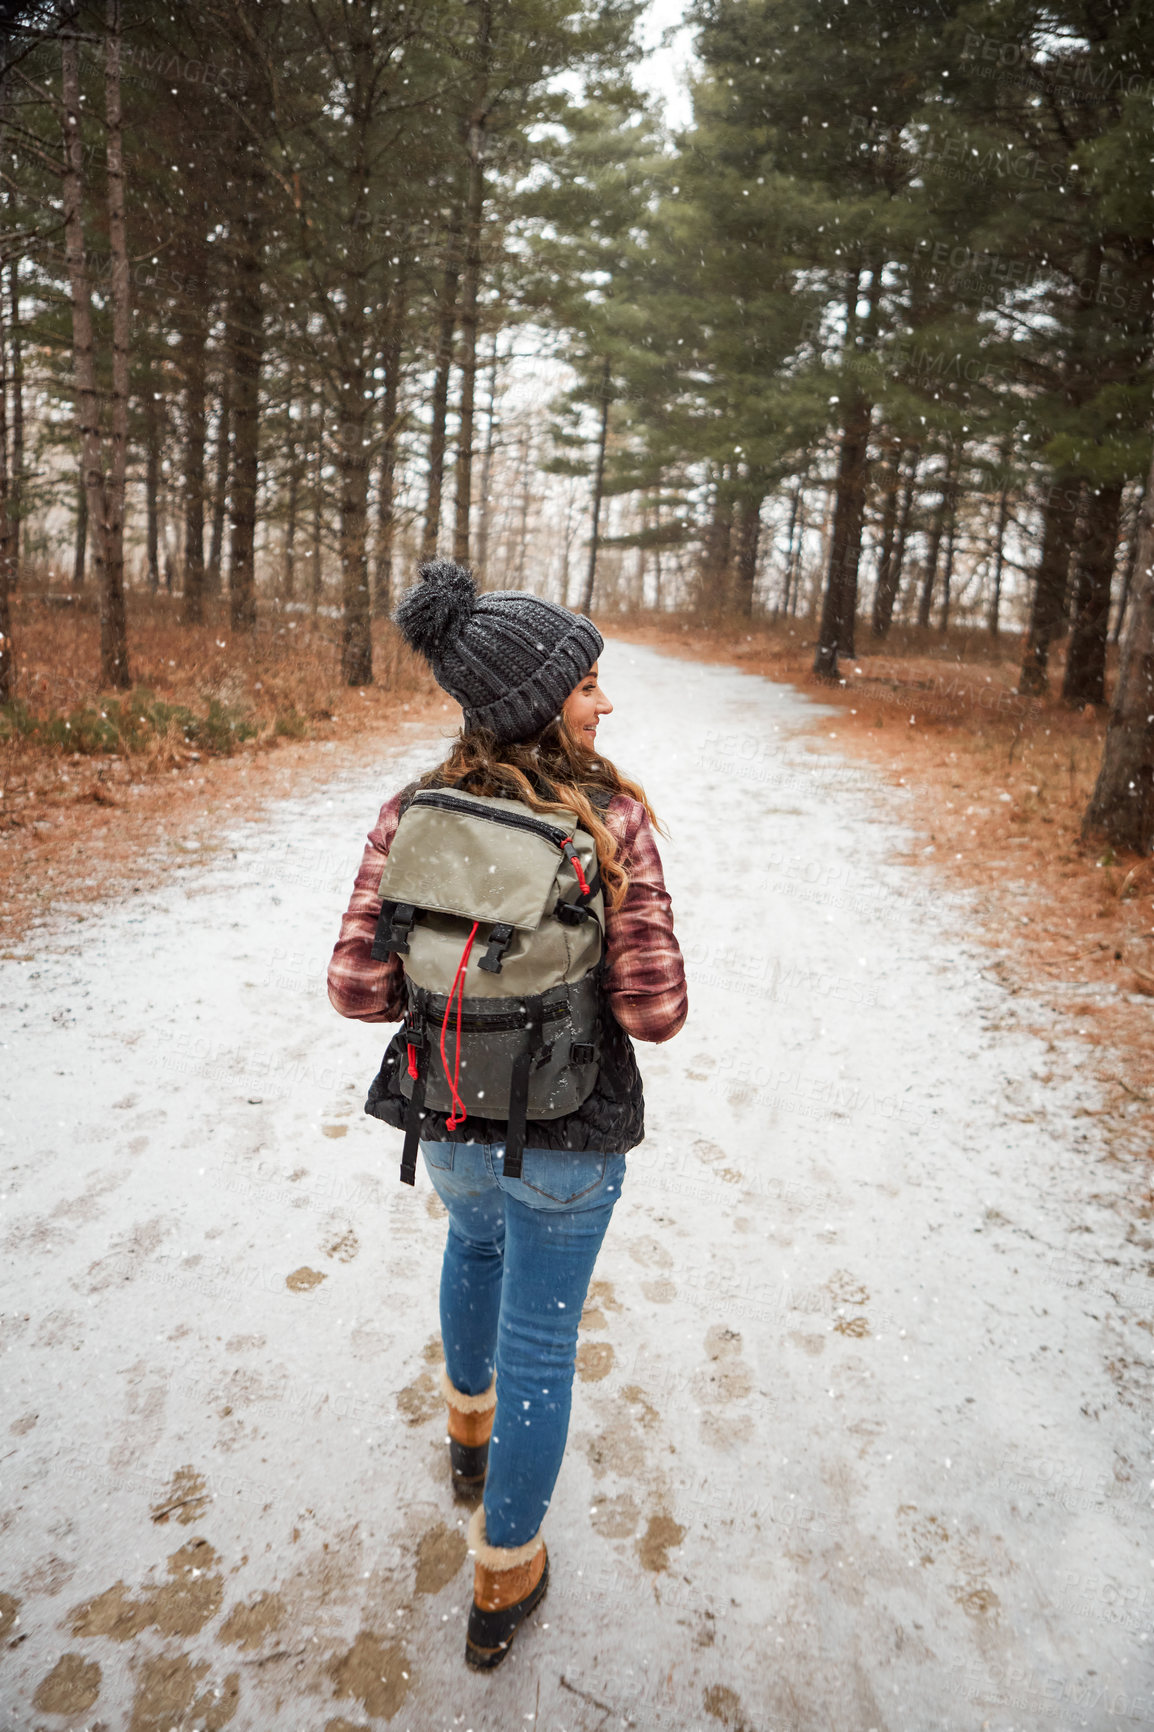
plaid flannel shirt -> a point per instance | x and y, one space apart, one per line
644 973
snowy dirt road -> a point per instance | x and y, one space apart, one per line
861 1432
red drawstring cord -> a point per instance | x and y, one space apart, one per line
458 988
575 861
413 1061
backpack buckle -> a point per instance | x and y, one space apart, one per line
413 1032
500 938
393 927
582 1052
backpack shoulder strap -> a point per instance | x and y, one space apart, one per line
395 918
417 1045
516 1127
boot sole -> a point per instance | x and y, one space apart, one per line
485 1659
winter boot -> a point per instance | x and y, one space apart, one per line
508 1581
470 1424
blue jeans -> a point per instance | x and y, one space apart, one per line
518 1259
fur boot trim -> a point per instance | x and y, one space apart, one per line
482 1403
498 1557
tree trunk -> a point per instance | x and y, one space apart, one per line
84 361
16 484
657 553
1128 572
487 470
356 602
717 547
386 527
387 475
886 587
586 600
794 502
839 605
909 495
446 327
1084 681
798 550
638 600
318 521
288 582
474 212
526 501
193 365
113 617
1000 556
356 629
80 550
1048 614
948 571
151 419
567 534
7 542
951 535
941 513
748 539
246 349
1122 804
858 482
213 576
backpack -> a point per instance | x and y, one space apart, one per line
497 914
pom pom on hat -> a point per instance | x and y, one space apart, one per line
437 611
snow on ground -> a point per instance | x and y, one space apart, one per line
861 1436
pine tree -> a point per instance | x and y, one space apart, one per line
1122 805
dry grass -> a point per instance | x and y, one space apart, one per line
1001 785
74 826
289 664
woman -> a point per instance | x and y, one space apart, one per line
520 1252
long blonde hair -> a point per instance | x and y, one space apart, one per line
552 773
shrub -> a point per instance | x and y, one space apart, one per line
291 725
131 724
16 723
221 730
85 730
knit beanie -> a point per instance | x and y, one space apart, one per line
509 658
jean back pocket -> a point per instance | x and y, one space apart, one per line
559 1178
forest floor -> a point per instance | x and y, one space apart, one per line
860 1434
248 711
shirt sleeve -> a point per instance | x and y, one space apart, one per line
358 986
644 971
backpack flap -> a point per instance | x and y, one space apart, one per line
480 858
466 858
